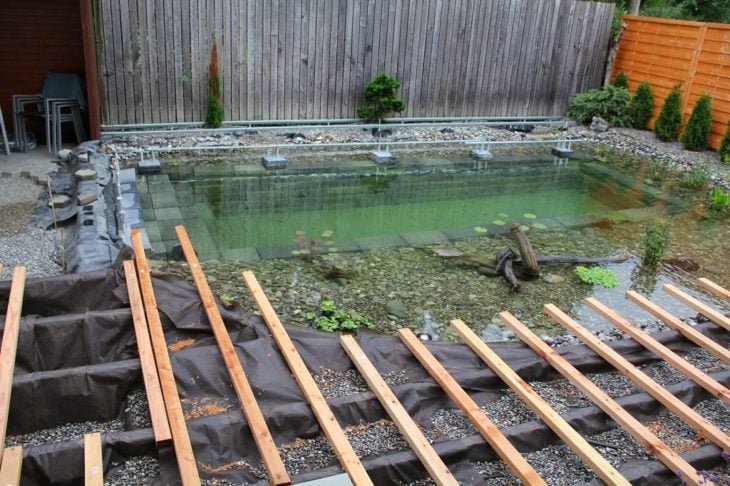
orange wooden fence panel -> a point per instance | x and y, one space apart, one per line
666 52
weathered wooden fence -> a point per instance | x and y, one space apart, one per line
666 52
310 59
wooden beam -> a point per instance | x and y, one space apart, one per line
676 361
180 437
93 463
656 446
327 421
705 283
705 428
155 402
10 346
407 426
490 432
255 418
12 466
715 316
1 270
568 434
720 352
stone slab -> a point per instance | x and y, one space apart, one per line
561 152
574 221
420 238
60 201
272 252
85 175
161 200
273 161
86 198
382 157
149 166
167 214
387 241
153 231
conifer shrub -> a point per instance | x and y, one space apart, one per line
696 134
621 80
642 106
381 98
609 102
214 118
724 150
670 118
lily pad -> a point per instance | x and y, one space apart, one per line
499 222
503 215
539 226
296 252
300 233
480 229
524 227
327 233
529 216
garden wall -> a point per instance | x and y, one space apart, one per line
665 52
311 59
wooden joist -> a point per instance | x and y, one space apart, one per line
155 402
407 426
568 434
178 428
10 346
93 463
705 283
327 421
684 329
494 437
672 358
255 418
637 430
707 311
697 422
11 467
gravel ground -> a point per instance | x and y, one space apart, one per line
335 384
63 433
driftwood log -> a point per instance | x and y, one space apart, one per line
528 262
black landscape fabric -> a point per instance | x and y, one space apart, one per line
77 361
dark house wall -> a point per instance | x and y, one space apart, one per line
37 36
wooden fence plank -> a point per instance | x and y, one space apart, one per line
255 418
701 425
93 463
568 434
705 283
642 435
12 466
178 428
707 311
408 428
676 361
155 402
9 346
494 437
327 421
685 330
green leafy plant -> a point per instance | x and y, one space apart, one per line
695 178
659 170
642 106
597 276
617 23
654 241
724 150
670 118
214 118
381 98
609 102
332 319
718 200
696 134
621 80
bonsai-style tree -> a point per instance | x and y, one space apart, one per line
214 119
621 80
670 119
380 99
642 106
724 150
697 132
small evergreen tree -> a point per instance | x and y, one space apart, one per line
381 98
621 80
214 119
697 132
642 106
724 150
670 119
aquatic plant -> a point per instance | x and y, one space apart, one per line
331 319
654 241
214 118
696 134
322 252
609 102
621 80
670 118
381 98
597 276
724 150
695 178
642 106
718 200
659 170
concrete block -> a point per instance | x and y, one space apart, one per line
85 174
274 161
86 198
382 157
561 152
481 154
149 166
127 176
60 201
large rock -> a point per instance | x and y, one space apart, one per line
396 308
599 124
